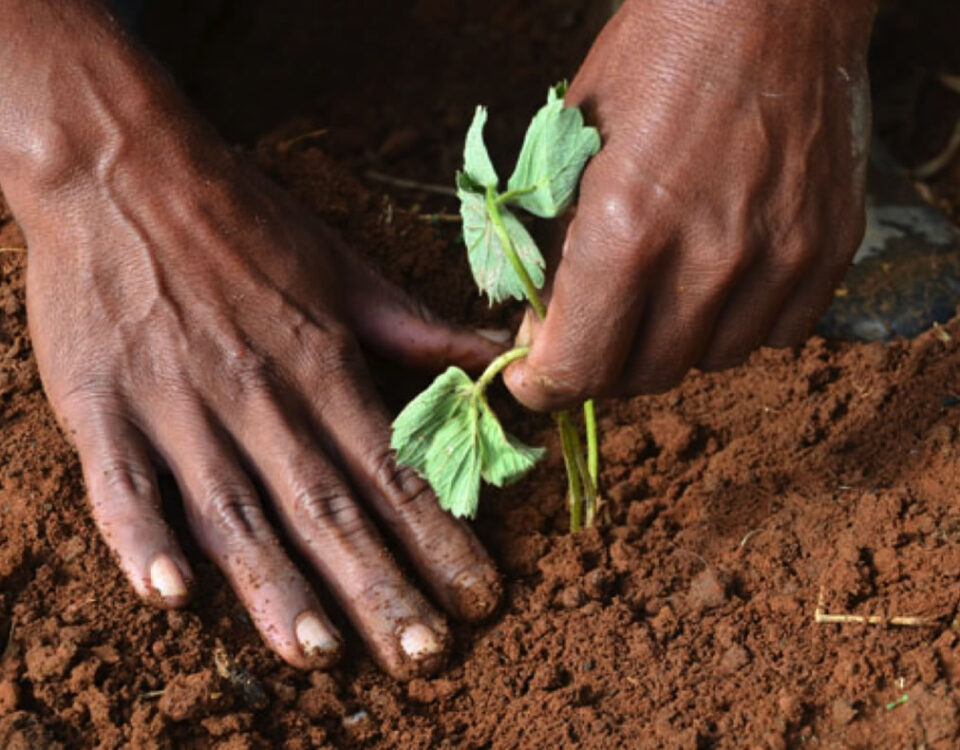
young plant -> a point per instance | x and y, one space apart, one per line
449 434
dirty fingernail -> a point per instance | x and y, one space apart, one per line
477 592
418 641
496 335
166 578
314 638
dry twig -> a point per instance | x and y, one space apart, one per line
824 618
405 184
440 218
942 160
285 145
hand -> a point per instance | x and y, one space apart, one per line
181 306
725 204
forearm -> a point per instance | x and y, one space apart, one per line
77 92
760 48
840 23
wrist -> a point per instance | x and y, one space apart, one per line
849 21
81 102
749 45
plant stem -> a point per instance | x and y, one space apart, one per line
593 455
500 364
529 288
567 435
589 488
581 473
512 195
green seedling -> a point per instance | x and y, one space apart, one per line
902 700
449 434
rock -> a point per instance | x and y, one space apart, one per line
734 658
641 512
49 663
597 583
708 590
317 703
623 445
190 696
672 433
842 712
571 597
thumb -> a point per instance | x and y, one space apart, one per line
388 321
579 349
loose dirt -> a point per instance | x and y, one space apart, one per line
738 502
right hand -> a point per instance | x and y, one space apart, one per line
181 306
727 200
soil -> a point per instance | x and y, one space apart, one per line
738 503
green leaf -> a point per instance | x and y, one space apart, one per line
476 159
455 463
417 425
491 268
450 436
555 150
506 459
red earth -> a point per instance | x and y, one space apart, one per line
738 503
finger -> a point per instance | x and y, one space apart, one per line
690 291
391 323
804 307
125 502
443 549
402 630
753 307
841 217
227 519
597 299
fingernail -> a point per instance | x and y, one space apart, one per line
418 641
496 335
477 592
524 335
166 578
314 638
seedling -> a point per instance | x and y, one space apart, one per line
901 701
449 434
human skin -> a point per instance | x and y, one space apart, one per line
185 311
725 204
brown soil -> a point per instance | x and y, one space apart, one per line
736 501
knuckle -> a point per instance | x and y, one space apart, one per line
399 484
332 352
630 241
327 506
620 225
791 262
121 476
250 376
718 265
83 397
233 509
